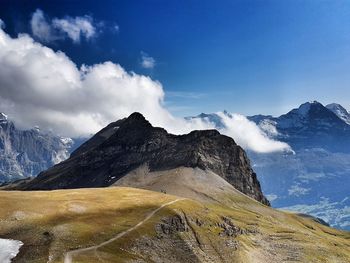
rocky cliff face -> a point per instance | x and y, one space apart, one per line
25 153
129 143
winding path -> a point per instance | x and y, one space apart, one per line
68 257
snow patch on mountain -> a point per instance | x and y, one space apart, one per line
340 111
3 117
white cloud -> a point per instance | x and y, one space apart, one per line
2 24
41 28
297 190
39 86
74 28
248 134
147 61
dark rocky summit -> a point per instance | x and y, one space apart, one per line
127 144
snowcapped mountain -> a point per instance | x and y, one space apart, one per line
316 178
311 125
25 153
309 115
340 111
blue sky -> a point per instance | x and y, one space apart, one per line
243 56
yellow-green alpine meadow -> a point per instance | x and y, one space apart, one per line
122 224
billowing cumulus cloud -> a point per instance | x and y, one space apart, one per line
39 86
73 28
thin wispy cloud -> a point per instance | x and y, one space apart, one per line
73 28
41 28
76 28
147 61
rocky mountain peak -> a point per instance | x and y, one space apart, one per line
136 118
136 122
127 144
313 102
305 108
310 114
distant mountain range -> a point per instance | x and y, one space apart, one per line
25 153
316 179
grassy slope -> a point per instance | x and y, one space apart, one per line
51 223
